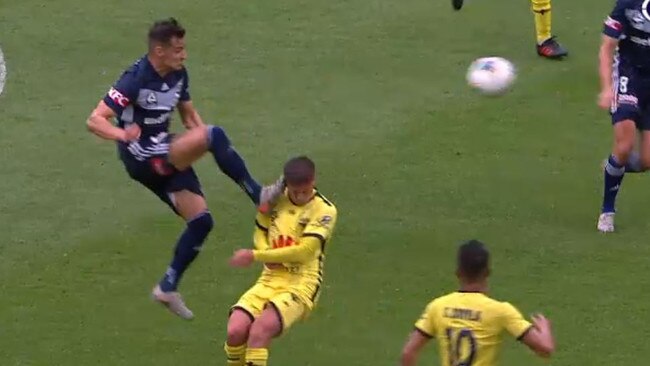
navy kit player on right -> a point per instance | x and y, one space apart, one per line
142 101
625 91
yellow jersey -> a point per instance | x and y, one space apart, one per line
469 327
291 241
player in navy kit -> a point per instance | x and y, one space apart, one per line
625 91
142 101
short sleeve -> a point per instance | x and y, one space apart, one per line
615 23
426 323
513 321
122 93
262 221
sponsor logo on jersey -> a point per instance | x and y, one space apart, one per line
158 120
644 9
628 99
283 241
151 98
118 97
611 23
324 221
638 19
159 138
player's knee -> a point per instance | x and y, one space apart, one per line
217 138
200 226
264 329
622 151
204 222
237 333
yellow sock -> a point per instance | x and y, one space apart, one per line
257 356
542 10
236 354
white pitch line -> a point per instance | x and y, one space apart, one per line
3 71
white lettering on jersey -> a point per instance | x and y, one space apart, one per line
641 41
158 120
3 71
118 97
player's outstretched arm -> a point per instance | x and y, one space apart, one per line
100 124
307 249
189 115
412 348
303 251
539 337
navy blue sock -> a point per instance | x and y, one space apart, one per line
231 163
634 164
614 172
187 248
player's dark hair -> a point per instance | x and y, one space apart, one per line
473 260
299 170
164 30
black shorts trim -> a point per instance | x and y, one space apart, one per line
277 312
232 309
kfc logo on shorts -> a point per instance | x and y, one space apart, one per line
628 99
118 98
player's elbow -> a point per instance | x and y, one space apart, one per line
92 123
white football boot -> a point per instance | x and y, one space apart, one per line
270 195
606 222
172 301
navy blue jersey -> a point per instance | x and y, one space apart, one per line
629 22
142 96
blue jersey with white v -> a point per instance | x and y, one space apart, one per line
142 96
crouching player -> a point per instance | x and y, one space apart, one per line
291 242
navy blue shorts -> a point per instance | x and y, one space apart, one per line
631 96
146 162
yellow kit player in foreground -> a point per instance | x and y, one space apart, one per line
290 241
469 325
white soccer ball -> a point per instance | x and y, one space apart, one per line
491 75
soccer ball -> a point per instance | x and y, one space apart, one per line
491 75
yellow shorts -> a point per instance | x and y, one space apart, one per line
289 306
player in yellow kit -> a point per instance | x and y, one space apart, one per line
290 241
547 46
469 325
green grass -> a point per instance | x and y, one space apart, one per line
373 90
